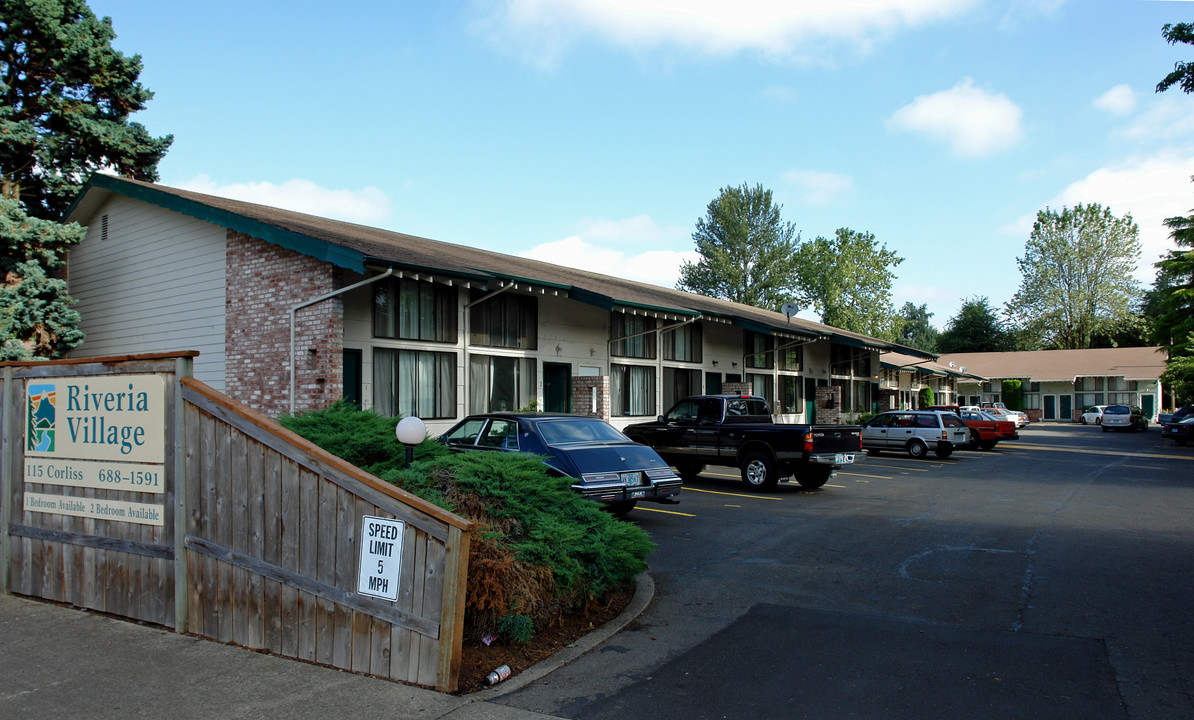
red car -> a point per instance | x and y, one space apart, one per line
986 430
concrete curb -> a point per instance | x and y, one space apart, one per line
644 592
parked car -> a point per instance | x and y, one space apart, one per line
1181 431
915 432
1182 412
986 430
606 465
1021 419
1093 414
1123 417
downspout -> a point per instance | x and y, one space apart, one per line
294 311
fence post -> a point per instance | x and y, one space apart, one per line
182 368
451 626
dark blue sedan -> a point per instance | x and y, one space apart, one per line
607 466
1180 431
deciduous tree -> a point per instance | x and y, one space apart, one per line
1183 72
748 253
847 280
1076 276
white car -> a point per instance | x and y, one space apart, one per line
1093 414
1015 416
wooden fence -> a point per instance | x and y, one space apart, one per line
254 536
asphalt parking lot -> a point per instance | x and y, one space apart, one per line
1049 578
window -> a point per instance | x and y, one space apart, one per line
789 394
500 383
633 336
679 384
631 390
413 310
791 358
758 350
506 320
682 344
762 385
1032 401
414 383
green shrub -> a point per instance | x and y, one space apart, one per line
1011 392
539 549
926 397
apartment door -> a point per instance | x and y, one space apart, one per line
557 387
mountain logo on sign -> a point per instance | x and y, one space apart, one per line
42 408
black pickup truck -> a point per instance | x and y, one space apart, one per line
737 431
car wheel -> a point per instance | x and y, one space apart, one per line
619 509
1099 420
944 451
975 438
1083 419
814 477
1106 429
759 472
917 449
689 471
989 445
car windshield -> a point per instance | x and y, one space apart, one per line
1116 410
579 430
952 420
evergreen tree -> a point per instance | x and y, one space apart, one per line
915 329
67 97
748 253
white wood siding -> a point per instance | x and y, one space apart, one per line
156 284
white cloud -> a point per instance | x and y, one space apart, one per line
1151 188
974 122
542 30
1170 117
1119 100
369 205
658 267
639 230
819 188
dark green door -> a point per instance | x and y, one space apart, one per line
1148 405
712 383
1050 407
352 376
557 387
1067 411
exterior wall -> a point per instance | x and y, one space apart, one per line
264 282
829 405
155 284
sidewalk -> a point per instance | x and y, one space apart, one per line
63 662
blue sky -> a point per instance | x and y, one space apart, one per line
595 134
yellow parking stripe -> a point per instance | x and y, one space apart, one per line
688 488
851 474
895 467
666 512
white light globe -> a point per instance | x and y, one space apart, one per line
411 431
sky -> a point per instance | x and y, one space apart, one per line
595 133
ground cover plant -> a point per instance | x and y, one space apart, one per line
539 551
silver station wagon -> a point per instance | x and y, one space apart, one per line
915 432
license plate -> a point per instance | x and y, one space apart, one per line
631 478
633 494
843 459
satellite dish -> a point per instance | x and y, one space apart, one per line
952 364
790 309
963 368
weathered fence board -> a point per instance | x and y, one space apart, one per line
261 532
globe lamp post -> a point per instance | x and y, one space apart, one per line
410 431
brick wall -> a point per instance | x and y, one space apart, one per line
590 396
738 389
264 282
829 405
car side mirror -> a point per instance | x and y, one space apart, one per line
660 419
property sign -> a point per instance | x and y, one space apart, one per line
381 557
112 417
105 432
